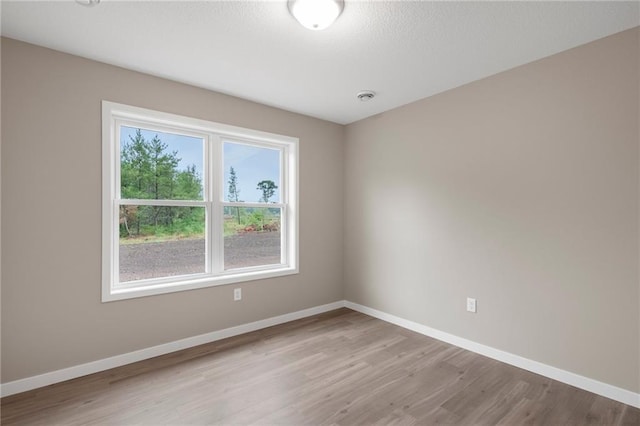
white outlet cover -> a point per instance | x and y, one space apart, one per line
471 304
237 294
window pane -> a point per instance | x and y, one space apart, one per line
251 174
160 166
251 237
161 241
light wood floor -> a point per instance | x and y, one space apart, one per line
341 368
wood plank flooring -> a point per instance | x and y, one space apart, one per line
338 368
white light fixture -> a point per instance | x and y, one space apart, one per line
88 2
316 14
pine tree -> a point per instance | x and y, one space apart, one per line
149 171
234 192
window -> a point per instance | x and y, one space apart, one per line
189 203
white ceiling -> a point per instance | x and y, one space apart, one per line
402 50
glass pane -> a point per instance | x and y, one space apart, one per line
161 241
251 174
251 237
159 165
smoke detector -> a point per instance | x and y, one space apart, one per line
366 95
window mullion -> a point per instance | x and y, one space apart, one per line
216 176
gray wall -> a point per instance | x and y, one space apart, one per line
520 190
52 316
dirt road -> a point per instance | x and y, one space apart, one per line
169 258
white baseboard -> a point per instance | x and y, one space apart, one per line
57 376
591 385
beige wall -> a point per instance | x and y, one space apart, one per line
52 316
520 190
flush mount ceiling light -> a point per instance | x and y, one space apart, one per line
88 2
316 14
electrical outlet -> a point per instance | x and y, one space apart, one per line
237 294
471 305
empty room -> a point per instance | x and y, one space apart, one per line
320 212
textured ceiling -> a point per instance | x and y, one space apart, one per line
402 50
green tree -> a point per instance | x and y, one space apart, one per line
188 184
148 170
268 188
135 167
234 192
164 167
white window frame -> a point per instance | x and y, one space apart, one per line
214 135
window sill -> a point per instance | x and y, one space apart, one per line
194 283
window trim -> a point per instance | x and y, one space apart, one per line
115 114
